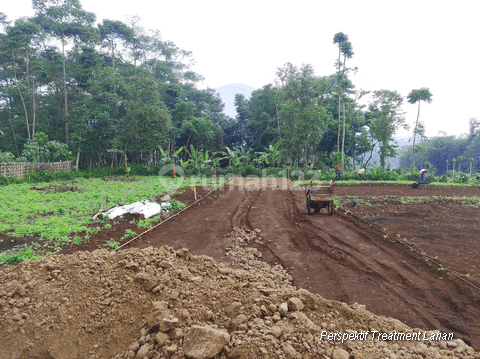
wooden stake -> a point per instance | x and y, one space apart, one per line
101 210
195 192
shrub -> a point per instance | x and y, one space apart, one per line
6 157
176 205
462 178
443 178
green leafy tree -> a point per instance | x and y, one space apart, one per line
23 42
413 97
242 106
303 119
262 127
114 34
386 117
64 19
147 121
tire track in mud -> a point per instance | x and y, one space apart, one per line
329 255
344 261
240 216
395 273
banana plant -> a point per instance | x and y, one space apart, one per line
199 158
167 160
232 156
271 154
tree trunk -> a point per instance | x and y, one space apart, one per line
67 130
278 122
21 96
339 96
33 108
78 157
13 134
338 133
343 138
415 135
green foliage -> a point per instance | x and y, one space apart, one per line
386 116
112 244
62 209
39 149
123 100
6 157
78 240
128 233
176 205
145 223
17 255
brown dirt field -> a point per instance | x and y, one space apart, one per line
340 257
345 257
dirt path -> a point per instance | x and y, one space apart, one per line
336 257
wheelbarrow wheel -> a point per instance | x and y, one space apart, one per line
414 185
330 209
308 205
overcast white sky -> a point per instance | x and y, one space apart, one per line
398 45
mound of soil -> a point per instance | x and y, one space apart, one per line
166 303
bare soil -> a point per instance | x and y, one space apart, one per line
341 257
358 255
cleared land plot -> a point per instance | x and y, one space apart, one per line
342 258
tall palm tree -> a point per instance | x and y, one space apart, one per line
338 38
347 51
460 159
413 97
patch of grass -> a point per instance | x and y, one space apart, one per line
55 216
145 223
17 255
78 240
128 233
112 244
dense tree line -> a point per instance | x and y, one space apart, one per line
105 93
450 155
102 90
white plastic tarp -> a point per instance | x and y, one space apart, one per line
145 207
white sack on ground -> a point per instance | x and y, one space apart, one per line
145 207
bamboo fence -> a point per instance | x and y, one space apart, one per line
19 169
